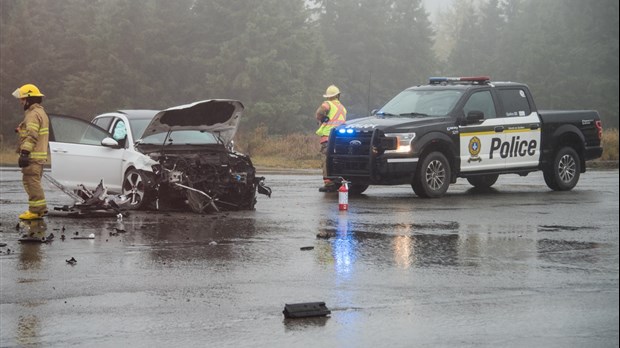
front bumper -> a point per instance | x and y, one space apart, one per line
359 158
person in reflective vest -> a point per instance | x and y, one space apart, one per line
33 134
330 114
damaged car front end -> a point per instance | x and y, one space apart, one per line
182 159
211 178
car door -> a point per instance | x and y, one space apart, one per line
522 143
478 139
78 156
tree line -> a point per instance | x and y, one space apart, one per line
278 56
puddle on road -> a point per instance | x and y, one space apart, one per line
449 243
560 228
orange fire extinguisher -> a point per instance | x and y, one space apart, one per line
343 196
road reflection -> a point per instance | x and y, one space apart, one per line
28 330
403 245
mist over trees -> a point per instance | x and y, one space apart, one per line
278 56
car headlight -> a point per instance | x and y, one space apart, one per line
403 143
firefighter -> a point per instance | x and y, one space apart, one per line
330 114
33 134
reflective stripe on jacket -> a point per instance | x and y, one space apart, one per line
337 115
34 133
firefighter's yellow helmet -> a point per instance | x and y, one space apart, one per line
27 90
331 91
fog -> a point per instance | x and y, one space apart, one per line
278 56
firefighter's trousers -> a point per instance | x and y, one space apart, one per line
31 178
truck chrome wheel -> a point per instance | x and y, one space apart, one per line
563 173
435 175
567 168
432 176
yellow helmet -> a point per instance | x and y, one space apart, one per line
331 91
27 90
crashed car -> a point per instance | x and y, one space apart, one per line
181 157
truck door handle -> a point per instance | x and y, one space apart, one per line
534 126
499 129
59 150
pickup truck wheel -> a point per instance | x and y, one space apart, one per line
135 188
357 189
432 176
483 181
565 169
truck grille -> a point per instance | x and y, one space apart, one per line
358 143
350 153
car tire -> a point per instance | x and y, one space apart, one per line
564 172
136 188
357 189
483 181
432 177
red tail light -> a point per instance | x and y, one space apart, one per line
599 127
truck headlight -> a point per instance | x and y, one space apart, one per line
403 142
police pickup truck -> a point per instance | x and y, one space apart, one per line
468 127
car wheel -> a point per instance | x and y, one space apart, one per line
432 176
483 181
135 187
565 170
357 189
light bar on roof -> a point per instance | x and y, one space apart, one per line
472 79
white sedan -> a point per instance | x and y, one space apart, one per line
178 156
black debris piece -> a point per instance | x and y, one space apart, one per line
305 310
71 261
306 248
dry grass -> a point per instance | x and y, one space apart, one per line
8 156
289 151
610 145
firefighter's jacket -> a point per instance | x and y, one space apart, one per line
34 133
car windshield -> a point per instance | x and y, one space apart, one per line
423 103
138 126
181 137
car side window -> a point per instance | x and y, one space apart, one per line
103 122
120 131
76 131
481 101
515 102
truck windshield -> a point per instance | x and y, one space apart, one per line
421 103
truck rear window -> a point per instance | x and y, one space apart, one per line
515 102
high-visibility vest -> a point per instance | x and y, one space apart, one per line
34 133
337 115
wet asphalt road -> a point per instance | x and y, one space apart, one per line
519 266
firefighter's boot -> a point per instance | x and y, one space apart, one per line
28 215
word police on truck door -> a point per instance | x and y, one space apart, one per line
508 135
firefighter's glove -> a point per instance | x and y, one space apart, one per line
24 159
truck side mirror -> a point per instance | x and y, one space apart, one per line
474 116
373 112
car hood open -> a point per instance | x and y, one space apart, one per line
219 116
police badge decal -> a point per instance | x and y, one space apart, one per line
474 150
